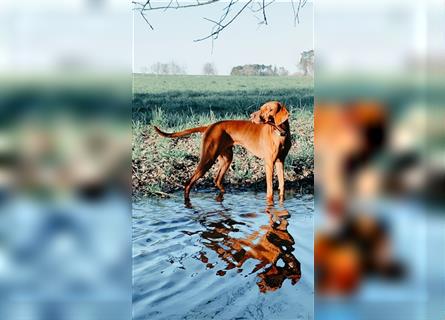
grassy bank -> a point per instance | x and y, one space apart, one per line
161 166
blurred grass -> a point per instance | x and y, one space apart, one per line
161 166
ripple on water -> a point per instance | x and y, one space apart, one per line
223 261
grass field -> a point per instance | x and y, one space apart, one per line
217 94
161 166
153 84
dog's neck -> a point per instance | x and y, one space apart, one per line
280 129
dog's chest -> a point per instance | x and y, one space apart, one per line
279 142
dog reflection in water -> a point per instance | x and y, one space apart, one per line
271 246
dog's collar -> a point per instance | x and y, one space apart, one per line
279 131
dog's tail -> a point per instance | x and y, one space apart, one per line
180 133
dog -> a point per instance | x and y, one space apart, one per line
266 135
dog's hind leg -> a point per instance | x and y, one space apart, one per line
225 159
200 171
220 164
209 154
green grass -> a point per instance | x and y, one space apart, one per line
161 166
153 84
220 95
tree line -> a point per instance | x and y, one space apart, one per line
165 68
305 64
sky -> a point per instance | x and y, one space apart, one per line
377 35
371 36
243 42
49 35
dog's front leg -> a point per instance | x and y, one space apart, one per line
279 165
269 181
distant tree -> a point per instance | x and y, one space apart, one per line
282 71
156 68
209 69
175 68
167 68
265 70
258 70
306 63
236 71
251 70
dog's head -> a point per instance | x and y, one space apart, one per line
272 111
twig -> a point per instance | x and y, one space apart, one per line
177 6
295 13
264 12
149 24
301 4
215 33
168 6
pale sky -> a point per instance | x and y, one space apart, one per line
243 42
377 35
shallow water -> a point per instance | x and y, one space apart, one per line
231 260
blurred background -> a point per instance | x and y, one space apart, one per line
379 160
65 104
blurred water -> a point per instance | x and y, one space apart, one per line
65 259
417 239
231 260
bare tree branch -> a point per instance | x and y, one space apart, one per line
264 12
169 6
226 17
146 20
261 7
296 10
213 21
221 27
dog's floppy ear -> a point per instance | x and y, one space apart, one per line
282 115
256 117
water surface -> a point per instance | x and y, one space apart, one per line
233 260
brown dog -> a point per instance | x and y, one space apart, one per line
267 136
